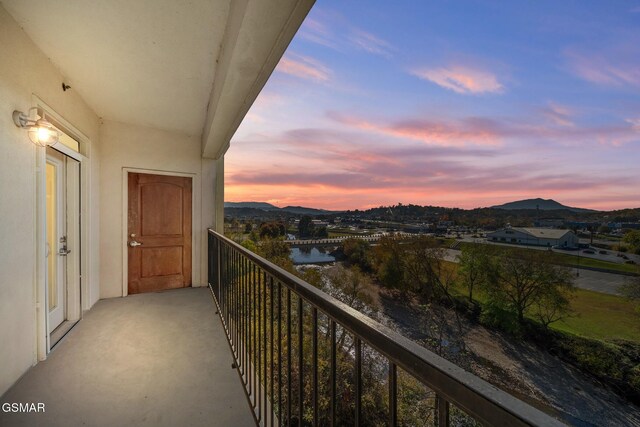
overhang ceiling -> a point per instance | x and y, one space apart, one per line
190 66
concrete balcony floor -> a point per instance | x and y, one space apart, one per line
157 359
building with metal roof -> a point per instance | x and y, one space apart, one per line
535 236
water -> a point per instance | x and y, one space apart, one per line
310 255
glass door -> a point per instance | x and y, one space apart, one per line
56 222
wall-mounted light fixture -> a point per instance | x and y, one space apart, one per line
40 131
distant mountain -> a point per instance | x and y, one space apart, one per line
262 206
542 204
300 210
253 205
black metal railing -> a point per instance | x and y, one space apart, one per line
306 358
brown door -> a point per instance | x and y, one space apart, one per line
159 232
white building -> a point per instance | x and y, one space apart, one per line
535 236
157 90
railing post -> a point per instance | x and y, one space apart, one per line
280 418
218 263
358 381
333 379
271 352
393 394
300 363
443 411
289 344
314 362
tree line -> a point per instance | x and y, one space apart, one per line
516 284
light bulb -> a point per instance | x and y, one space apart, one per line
43 133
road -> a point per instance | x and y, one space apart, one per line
607 283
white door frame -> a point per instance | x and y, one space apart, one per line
83 228
195 236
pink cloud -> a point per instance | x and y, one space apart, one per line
304 67
360 161
341 145
613 67
482 131
337 170
370 43
473 131
461 79
560 115
635 124
317 32
457 185
333 31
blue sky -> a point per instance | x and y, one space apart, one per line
451 103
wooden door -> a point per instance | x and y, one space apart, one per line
159 232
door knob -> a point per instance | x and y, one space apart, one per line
64 251
133 243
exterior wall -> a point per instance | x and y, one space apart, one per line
521 238
571 240
508 235
125 147
25 71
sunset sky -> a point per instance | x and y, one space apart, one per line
449 103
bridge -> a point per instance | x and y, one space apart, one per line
333 241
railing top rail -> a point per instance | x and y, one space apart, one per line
477 397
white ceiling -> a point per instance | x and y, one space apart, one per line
147 62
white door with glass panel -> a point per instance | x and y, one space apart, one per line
59 174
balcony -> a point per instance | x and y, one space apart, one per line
155 359
161 359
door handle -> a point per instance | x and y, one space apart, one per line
133 244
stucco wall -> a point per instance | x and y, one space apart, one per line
125 146
25 71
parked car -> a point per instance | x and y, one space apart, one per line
588 251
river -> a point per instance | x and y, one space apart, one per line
310 255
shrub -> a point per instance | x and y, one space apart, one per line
470 309
496 315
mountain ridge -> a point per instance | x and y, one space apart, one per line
253 205
525 204
300 210
539 203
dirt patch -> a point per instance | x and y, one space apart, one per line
518 367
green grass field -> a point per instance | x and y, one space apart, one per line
602 317
571 260
574 260
596 315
